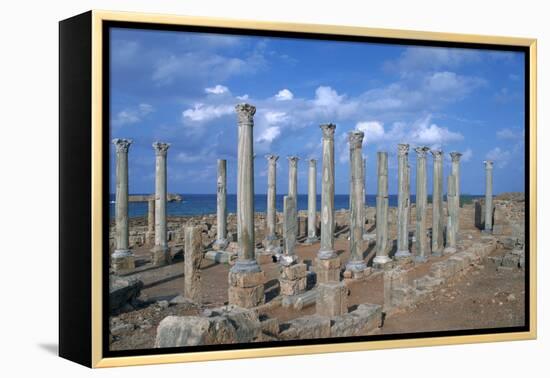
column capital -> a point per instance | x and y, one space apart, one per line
328 130
355 138
293 160
488 164
421 151
402 149
245 114
312 162
161 148
122 145
437 155
455 156
271 158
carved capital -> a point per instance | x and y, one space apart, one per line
272 159
488 164
245 114
402 149
437 155
421 151
161 148
293 160
312 162
328 130
455 156
122 145
355 138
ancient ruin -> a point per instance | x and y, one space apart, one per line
302 273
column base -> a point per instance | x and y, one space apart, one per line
288 260
355 270
264 257
246 289
449 250
122 260
326 254
437 252
160 256
311 240
220 244
332 300
420 259
245 266
402 254
488 232
328 270
380 262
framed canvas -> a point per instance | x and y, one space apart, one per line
234 189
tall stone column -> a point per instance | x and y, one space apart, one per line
293 183
272 244
422 251
328 263
437 204
290 223
160 252
150 236
246 280
312 203
450 240
402 202
221 214
382 208
488 196
193 258
356 264
122 258
455 171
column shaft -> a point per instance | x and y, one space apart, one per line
160 250
271 220
382 206
450 246
437 203
312 202
221 214
402 202
422 251
488 196
327 195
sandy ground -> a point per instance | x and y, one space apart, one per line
482 298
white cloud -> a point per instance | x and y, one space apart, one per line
269 134
242 98
132 115
275 117
510 134
467 155
218 89
284 95
450 82
203 113
327 97
425 132
374 131
415 59
499 156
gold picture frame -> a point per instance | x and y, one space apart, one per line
94 22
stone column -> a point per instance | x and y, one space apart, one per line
312 203
150 236
488 197
122 258
437 204
382 208
221 214
402 202
246 280
160 252
289 231
450 240
293 184
272 244
356 264
193 258
328 263
422 251
455 171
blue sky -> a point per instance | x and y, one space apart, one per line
181 88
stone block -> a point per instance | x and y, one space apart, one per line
160 256
224 326
246 279
246 297
293 272
222 257
123 264
366 318
332 299
292 287
264 257
123 291
270 326
328 270
307 327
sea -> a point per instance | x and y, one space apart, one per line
201 204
